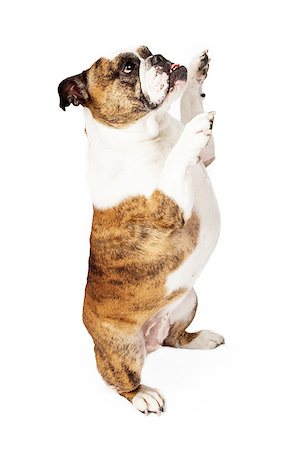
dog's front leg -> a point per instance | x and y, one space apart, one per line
192 99
176 177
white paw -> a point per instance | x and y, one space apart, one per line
206 340
149 400
199 67
196 135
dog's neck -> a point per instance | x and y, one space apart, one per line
146 131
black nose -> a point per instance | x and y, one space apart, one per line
158 59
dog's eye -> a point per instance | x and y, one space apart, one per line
128 67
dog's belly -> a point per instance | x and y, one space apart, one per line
156 329
206 208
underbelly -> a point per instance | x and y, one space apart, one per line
206 208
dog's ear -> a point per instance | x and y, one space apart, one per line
73 90
144 51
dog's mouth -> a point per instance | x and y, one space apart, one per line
178 73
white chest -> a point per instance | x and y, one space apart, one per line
112 180
121 165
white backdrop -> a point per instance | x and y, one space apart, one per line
244 395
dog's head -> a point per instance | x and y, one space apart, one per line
124 89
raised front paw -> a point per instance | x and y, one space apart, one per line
196 135
199 67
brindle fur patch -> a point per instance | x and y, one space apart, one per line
134 247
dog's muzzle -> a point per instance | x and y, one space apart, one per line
176 72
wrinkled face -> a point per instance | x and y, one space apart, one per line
124 89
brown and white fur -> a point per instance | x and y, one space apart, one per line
156 219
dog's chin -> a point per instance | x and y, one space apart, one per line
177 83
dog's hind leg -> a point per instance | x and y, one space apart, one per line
120 353
192 100
180 319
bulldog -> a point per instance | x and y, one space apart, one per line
155 216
